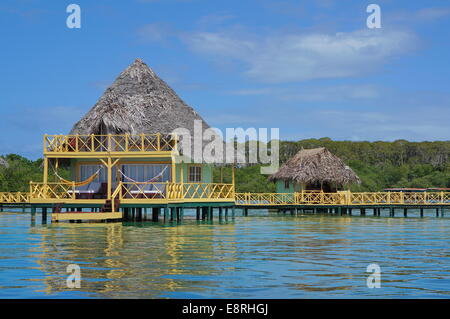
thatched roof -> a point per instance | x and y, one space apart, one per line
3 162
316 165
138 102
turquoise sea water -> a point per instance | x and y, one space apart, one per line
260 256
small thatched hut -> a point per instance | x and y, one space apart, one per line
314 169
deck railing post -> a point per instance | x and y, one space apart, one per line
158 141
175 143
142 142
92 142
108 144
126 142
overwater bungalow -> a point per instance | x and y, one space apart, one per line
124 150
124 160
314 170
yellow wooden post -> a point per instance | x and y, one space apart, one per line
92 142
173 172
45 170
175 143
109 177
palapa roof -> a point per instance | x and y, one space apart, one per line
138 102
316 165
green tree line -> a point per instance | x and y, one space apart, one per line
378 164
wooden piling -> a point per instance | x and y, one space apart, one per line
210 213
166 213
44 215
155 214
204 213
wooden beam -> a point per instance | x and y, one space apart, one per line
45 170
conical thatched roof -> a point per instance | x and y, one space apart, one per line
3 162
138 102
316 165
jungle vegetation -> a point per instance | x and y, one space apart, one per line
379 165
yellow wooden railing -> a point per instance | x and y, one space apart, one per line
200 191
110 143
214 192
14 197
343 198
52 191
136 192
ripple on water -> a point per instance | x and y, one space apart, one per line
253 257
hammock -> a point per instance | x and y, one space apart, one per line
77 184
154 179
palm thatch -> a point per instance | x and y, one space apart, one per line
316 166
138 102
3 163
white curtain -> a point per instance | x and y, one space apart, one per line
87 171
145 172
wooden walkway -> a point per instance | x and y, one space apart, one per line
223 199
345 198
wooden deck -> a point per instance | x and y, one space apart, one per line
133 193
345 198
207 197
86 216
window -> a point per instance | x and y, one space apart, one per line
146 172
87 170
286 184
195 174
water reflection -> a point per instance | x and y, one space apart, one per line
253 257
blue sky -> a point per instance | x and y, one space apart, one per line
310 68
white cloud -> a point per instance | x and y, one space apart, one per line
316 93
300 57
